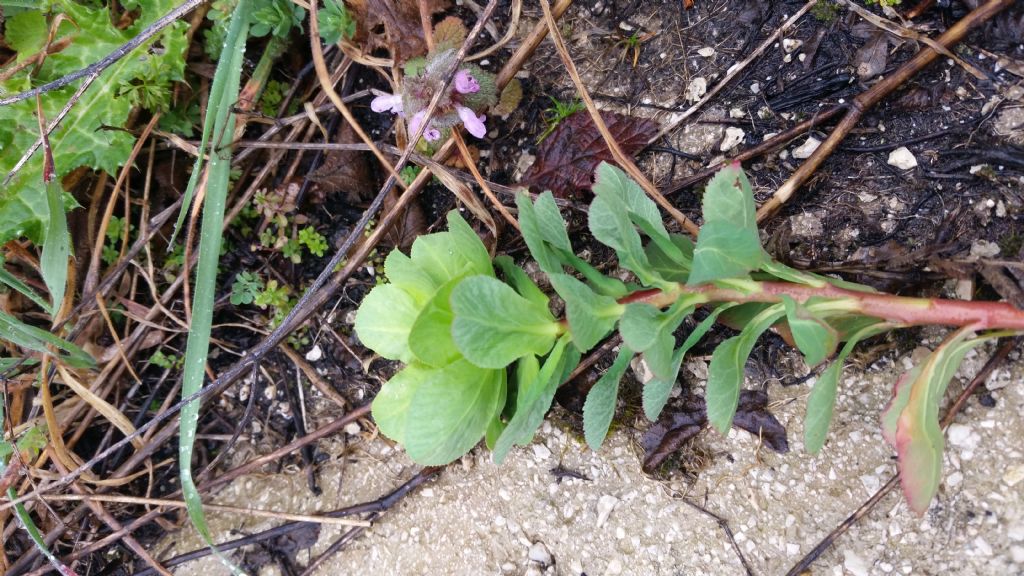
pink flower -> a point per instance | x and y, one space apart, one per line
415 121
387 103
473 123
465 83
432 134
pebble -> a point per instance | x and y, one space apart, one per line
902 158
696 89
352 429
315 353
605 505
733 137
539 553
790 45
962 436
706 51
804 151
533 571
1014 474
576 567
855 564
984 249
541 452
1017 554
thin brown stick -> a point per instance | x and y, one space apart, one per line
866 100
166 503
804 564
621 158
467 159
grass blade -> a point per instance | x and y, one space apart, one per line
53 262
222 97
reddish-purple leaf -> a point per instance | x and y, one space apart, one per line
566 160
753 416
676 427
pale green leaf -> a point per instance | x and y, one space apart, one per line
517 278
591 315
407 275
451 410
669 267
724 251
821 402
729 198
529 225
430 338
550 222
813 336
494 325
639 326
391 405
384 320
725 375
657 390
599 407
535 402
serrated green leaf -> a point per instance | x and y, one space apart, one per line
494 325
641 210
657 391
430 338
725 375
724 250
529 225
26 32
535 402
83 137
813 336
384 320
608 219
729 198
517 278
821 402
451 411
591 315
599 407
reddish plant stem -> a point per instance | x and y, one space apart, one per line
901 309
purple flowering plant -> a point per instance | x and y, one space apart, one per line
467 100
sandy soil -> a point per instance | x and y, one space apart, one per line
480 518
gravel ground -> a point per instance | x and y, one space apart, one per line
480 518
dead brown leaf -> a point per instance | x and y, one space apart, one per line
392 24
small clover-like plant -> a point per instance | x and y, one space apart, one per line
484 356
466 100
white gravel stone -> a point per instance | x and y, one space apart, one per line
352 429
733 137
696 89
541 452
963 436
855 564
790 45
902 158
804 151
706 51
539 553
315 353
1014 474
605 505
